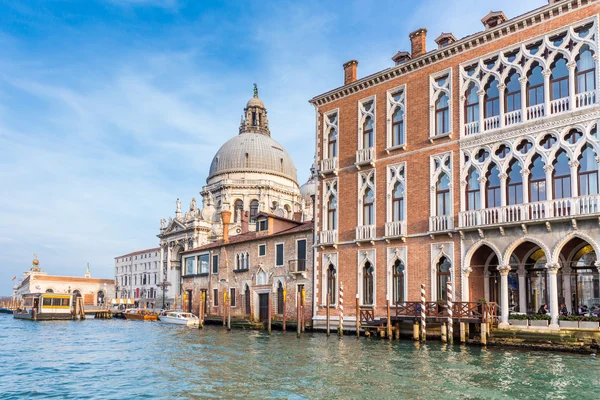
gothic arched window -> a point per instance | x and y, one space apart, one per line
332 144
537 180
513 93
584 71
442 195
442 117
473 190
253 210
514 184
280 309
368 207
398 282
492 100
471 104
368 283
535 86
443 277
331 283
398 127
332 213
368 139
493 197
398 202
237 206
588 172
559 80
561 176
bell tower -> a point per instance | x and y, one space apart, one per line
255 119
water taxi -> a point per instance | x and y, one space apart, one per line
45 307
140 315
179 318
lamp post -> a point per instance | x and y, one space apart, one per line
164 285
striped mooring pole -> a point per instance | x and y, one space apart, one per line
341 300
450 319
423 316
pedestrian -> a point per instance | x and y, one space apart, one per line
543 309
563 309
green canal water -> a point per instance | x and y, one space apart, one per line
116 359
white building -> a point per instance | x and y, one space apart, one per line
137 276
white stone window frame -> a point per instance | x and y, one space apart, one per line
363 257
362 116
573 151
326 259
545 63
330 188
435 174
434 93
439 250
399 176
393 254
327 125
258 249
229 295
282 254
391 108
366 180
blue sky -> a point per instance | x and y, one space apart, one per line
110 110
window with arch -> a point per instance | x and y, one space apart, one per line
280 309
492 100
561 176
368 136
398 282
443 277
493 197
398 202
247 300
588 172
238 208
473 196
442 195
49 291
535 86
512 96
584 70
253 210
368 286
442 118
537 180
368 207
261 277
332 143
331 283
332 213
398 127
559 79
514 184
471 104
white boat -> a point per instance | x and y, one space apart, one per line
179 318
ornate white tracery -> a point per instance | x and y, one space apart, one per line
522 150
396 253
440 164
396 99
366 180
366 108
435 91
365 256
439 250
395 174
544 50
329 259
329 191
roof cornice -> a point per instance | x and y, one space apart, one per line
514 25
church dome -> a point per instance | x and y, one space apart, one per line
253 152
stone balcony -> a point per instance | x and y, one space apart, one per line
328 238
441 223
395 229
365 233
549 210
329 166
365 157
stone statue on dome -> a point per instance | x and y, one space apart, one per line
178 204
162 223
193 204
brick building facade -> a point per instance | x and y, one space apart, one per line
253 268
475 163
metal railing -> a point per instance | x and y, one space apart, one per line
297 265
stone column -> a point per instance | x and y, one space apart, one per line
574 180
501 90
566 275
571 66
525 179
503 177
522 291
482 206
523 82
553 289
549 194
481 94
546 73
486 285
504 270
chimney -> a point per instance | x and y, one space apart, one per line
350 71
245 217
493 18
445 39
297 217
418 42
401 57
226 218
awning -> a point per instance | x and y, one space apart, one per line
114 301
129 301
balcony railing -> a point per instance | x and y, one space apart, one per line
365 232
297 266
513 117
559 208
328 237
395 229
535 111
441 223
585 99
491 123
329 165
472 128
365 156
559 105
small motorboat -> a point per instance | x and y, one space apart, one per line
140 315
179 318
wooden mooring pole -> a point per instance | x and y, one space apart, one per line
298 329
389 321
228 313
269 315
341 313
201 311
328 313
450 300
357 316
423 315
224 307
302 303
463 332
284 306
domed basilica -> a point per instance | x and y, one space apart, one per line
251 173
